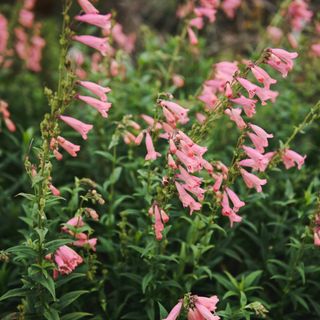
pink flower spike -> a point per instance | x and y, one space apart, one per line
151 153
100 44
100 106
67 259
262 76
174 313
237 203
77 125
235 115
87 7
291 157
96 89
248 86
71 148
99 20
252 181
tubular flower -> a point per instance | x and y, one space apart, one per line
174 313
227 211
66 259
100 44
77 125
281 60
87 7
180 113
290 158
248 105
235 115
71 148
186 199
262 76
252 181
101 106
151 153
160 218
98 20
96 89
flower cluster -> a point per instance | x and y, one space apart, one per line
6 116
197 308
29 44
298 15
205 9
74 228
100 102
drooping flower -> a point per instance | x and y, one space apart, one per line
174 313
290 158
248 105
235 115
252 181
101 106
66 259
87 6
180 113
262 76
100 44
99 20
186 199
71 148
96 89
151 153
77 125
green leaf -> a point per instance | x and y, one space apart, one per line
75 315
162 311
51 314
145 281
20 292
70 297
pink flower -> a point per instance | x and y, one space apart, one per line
160 218
237 203
151 153
316 237
201 118
77 125
265 94
281 60
210 13
228 212
99 20
193 164
299 14
230 7
67 259
186 199
171 162
235 115
93 214
4 34
290 158
252 181
205 312
150 121
192 37
54 190
26 18
101 106
75 222
260 161
196 22
189 179
248 105
100 44
84 241
87 7
261 133
248 86
124 41
180 113
178 80
262 76
174 313
10 125
274 33
71 148
217 185
208 97
96 89
315 49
